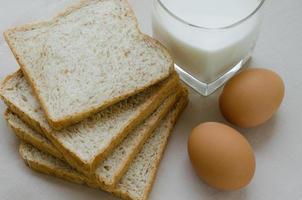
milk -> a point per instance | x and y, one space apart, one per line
207 53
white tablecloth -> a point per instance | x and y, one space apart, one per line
277 144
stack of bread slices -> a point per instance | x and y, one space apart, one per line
95 100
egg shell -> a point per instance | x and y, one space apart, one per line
251 97
221 156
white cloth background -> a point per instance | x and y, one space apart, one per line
277 144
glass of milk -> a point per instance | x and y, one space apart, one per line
210 40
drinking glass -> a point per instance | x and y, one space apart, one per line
206 55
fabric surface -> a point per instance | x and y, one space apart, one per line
277 144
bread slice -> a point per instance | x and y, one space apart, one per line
136 184
48 164
114 166
138 180
28 135
88 57
85 144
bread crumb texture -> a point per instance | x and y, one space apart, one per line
87 57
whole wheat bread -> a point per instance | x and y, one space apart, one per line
88 57
114 166
136 184
28 135
85 144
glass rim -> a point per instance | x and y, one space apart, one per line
210 28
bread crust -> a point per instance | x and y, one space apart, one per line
89 167
110 185
72 177
22 135
78 178
68 120
126 163
126 195
119 172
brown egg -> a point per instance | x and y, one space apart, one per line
251 97
221 156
